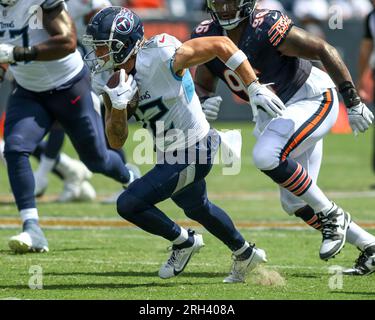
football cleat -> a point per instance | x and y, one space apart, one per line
245 263
32 239
73 192
334 227
75 174
41 183
134 173
179 258
364 265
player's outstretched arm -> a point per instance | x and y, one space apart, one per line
300 43
62 41
201 50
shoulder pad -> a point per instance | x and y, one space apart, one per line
207 28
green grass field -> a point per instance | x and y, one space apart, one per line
120 262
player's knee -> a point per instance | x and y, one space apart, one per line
265 157
196 212
15 143
128 205
96 165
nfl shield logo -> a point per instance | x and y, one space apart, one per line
125 22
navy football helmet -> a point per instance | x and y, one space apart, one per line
230 13
120 30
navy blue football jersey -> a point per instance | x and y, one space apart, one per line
266 30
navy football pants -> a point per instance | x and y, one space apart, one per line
30 116
137 203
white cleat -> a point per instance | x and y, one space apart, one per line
364 265
334 227
72 192
31 239
75 174
179 258
245 263
134 173
41 183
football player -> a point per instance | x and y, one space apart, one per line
75 174
289 147
52 84
170 109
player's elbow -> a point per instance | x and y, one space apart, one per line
325 49
69 44
223 47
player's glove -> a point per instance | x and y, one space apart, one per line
211 107
124 92
6 53
261 97
360 118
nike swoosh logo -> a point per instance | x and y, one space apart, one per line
75 100
162 40
120 94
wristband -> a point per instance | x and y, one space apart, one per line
349 94
236 60
25 54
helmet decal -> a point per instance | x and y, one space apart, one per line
125 22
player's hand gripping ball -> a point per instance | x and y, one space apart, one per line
122 91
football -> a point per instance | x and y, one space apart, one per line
113 82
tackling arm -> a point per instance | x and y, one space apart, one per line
201 50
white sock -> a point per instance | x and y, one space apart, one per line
359 237
317 200
46 165
27 214
184 235
242 249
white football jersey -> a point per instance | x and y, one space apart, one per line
22 25
167 101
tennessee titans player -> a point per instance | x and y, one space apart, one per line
289 147
158 70
75 188
52 85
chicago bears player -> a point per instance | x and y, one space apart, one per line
38 41
170 109
289 147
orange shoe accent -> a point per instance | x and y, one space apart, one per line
342 124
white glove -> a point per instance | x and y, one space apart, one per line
6 53
124 92
261 97
360 118
211 107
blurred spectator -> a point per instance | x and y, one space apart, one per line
147 9
270 4
353 8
